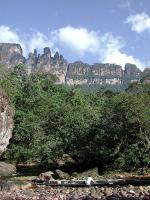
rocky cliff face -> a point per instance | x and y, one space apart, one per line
69 73
77 73
82 73
31 61
6 121
56 65
101 74
59 67
131 72
11 54
146 75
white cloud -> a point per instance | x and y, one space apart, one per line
10 36
120 58
112 52
80 41
139 22
7 35
27 42
39 41
105 46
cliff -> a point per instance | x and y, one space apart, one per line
6 121
11 54
101 74
56 65
69 73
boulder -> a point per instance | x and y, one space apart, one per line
61 175
90 173
46 175
108 191
6 121
7 169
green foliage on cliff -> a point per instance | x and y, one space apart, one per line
111 130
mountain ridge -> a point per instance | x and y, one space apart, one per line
76 73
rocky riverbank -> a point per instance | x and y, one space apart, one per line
91 193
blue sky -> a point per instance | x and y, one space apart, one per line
116 31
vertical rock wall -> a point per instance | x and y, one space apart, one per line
11 54
69 73
6 121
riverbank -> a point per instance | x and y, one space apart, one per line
88 193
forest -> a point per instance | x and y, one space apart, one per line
101 128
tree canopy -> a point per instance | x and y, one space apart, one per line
111 130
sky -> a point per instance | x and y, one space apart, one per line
93 31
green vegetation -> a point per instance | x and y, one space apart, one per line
101 128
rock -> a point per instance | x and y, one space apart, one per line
56 56
132 192
123 193
11 54
131 187
61 175
47 50
141 189
44 61
59 68
132 70
146 76
56 65
108 191
74 175
7 169
31 62
48 174
131 73
64 193
90 173
101 74
6 121
77 73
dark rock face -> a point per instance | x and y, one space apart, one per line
146 75
131 74
132 70
11 54
70 73
6 121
